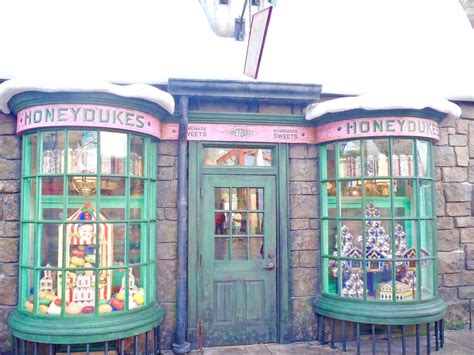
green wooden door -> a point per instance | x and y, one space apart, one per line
238 260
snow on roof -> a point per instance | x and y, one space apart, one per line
381 101
10 88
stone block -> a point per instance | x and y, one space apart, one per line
463 222
309 188
462 126
458 140
312 151
297 224
295 258
166 279
466 292
8 250
8 291
449 294
304 322
168 148
471 141
457 192
444 156
302 170
443 137
309 258
160 214
11 207
454 174
9 147
462 156
437 173
9 269
295 188
448 240
167 193
457 315
314 223
304 281
469 264
303 206
451 262
171 214
166 174
10 229
7 124
469 251
444 223
166 251
470 171
465 278
440 204
467 235
168 327
298 151
454 209
9 169
303 240
167 231
10 186
166 160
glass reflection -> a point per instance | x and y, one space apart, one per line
31 150
239 248
49 244
239 223
239 198
237 156
349 159
221 221
113 152
221 198
376 157
82 153
255 198
402 157
136 156
404 191
53 152
330 171
255 223
221 248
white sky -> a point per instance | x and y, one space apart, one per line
348 46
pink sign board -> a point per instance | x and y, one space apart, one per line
88 116
377 127
242 133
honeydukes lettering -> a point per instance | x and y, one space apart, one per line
373 127
87 116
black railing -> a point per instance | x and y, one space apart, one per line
146 343
374 332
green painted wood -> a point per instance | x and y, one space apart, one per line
69 330
231 289
394 313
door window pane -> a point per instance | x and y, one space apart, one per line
239 223
256 223
239 248
255 198
238 157
256 249
221 248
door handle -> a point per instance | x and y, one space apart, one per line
270 264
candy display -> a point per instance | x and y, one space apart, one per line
378 256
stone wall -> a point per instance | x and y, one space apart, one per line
454 161
304 235
9 222
167 236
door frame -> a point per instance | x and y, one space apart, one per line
280 170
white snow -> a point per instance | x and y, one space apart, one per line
384 101
10 88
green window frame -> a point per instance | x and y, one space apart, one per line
93 218
378 239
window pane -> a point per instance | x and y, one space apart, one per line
352 281
82 156
239 198
137 284
137 240
27 296
137 199
53 153
28 244
351 201
426 201
136 156
255 198
237 157
376 157
113 207
29 199
256 249
405 239
85 186
329 237
113 152
427 238
330 171
239 248
402 157
221 249
221 198
221 221
115 233
404 191
255 223
31 154
239 223
424 163
49 244
349 159
427 286
330 275
52 190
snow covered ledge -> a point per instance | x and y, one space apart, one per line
10 88
378 115
377 101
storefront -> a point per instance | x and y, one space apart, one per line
245 217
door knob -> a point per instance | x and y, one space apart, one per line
270 264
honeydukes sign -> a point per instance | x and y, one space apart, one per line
377 126
85 115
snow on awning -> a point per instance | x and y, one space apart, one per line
10 88
378 101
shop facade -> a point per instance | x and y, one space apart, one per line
267 193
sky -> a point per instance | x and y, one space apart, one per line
348 46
